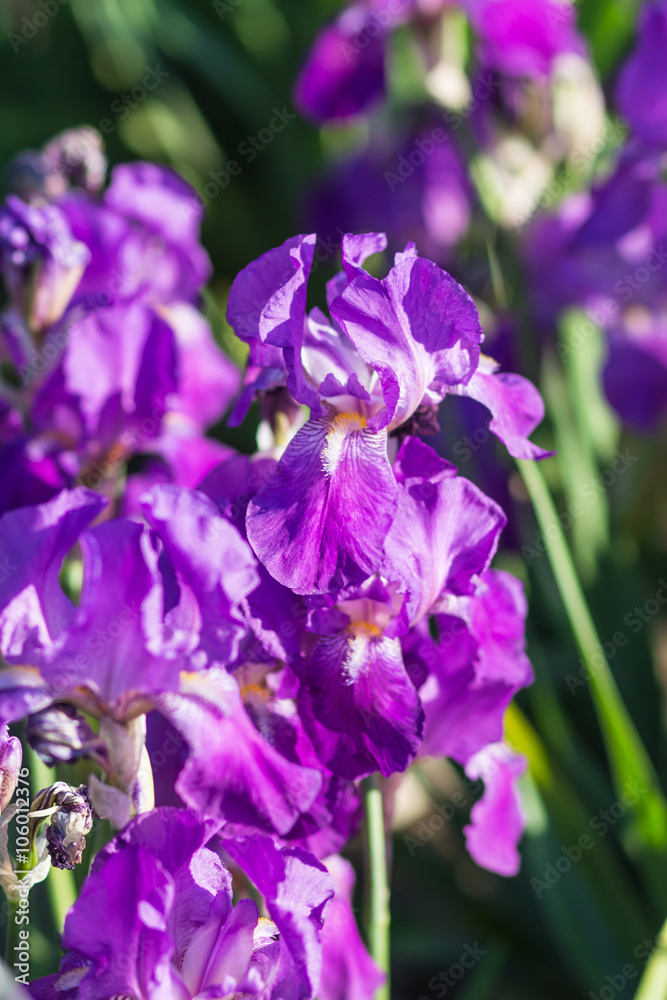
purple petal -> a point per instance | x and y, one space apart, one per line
267 302
348 971
515 404
320 521
232 771
635 377
641 91
214 566
11 757
297 889
23 691
34 541
475 669
344 74
523 38
417 328
169 212
106 646
496 820
133 956
359 705
444 534
207 379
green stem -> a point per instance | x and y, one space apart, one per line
628 758
379 916
653 984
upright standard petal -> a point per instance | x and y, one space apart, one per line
417 328
267 302
320 521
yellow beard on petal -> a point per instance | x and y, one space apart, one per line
341 425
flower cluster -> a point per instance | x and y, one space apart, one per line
502 117
105 355
295 620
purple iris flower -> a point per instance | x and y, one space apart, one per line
416 183
42 262
359 698
345 71
521 38
641 92
115 359
393 347
605 251
160 616
172 928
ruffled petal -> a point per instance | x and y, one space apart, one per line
214 566
297 889
417 328
475 669
267 302
359 705
497 821
232 771
444 535
34 541
320 521
348 971
515 404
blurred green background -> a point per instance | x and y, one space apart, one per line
227 69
